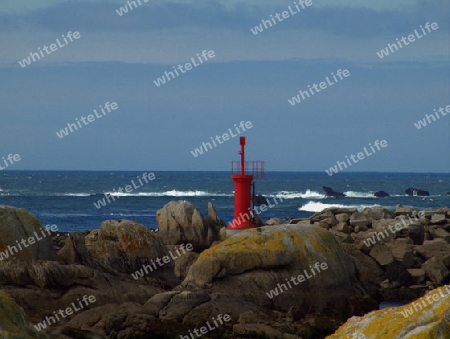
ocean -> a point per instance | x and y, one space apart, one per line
66 198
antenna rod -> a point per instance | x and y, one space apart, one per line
242 153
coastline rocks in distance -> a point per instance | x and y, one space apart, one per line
381 194
257 260
329 192
17 225
417 192
404 321
180 222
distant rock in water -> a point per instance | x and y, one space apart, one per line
417 192
329 192
260 200
381 194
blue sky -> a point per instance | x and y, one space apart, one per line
251 78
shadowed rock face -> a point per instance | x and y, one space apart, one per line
329 192
17 225
257 260
403 322
13 321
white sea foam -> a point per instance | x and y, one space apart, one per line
316 206
172 193
295 195
75 194
354 194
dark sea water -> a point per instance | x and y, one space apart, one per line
66 198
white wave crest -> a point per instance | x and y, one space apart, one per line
295 195
172 193
353 194
75 194
315 206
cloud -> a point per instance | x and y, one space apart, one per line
102 17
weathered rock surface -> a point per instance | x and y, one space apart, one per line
274 221
237 276
124 246
17 225
14 324
181 222
420 319
259 259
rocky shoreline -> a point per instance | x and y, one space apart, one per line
266 280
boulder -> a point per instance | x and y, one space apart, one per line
257 260
360 228
342 237
215 223
382 255
367 270
381 194
325 214
377 213
418 274
359 219
275 221
124 246
436 271
396 272
338 210
342 217
390 228
417 192
343 227
438 219
180 222
437 248
14 323
402 251
400 210
439 233
416 232
329 192
403 322
329 221
183 262
22 236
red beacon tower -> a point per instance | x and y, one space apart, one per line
243 183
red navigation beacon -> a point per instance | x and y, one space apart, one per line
242 190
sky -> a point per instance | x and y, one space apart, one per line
118 59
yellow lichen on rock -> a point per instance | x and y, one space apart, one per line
426 318
265 248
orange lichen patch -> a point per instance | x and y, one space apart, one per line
426 323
